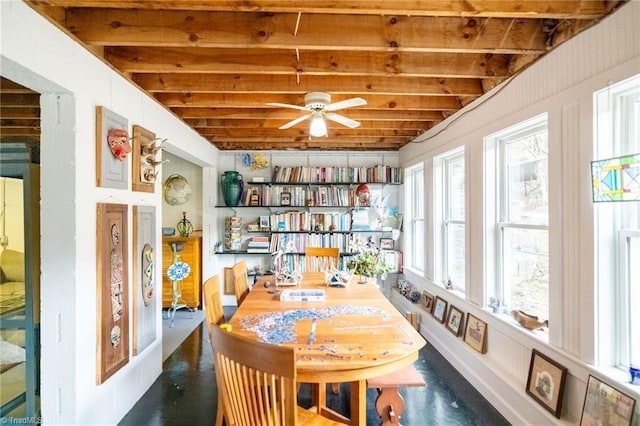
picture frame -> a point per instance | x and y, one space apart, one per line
110 172
264 222
145 272
455 320
386 244
427 300
112 349
285 199
604 404
475 333
143 168
546 381
440 309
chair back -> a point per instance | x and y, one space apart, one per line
319 259
240 281
257 381
213 302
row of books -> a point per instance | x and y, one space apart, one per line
324 196
307 221
310 174
298 242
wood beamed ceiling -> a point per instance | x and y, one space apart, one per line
217 64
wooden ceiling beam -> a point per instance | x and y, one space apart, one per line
290 114
247 83
132 59
566 9
10 112
128 27
217 123
333 130
259 100
302 143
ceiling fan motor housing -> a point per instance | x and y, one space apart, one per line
316 101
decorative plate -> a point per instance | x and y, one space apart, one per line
178 271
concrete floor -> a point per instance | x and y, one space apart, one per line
186 393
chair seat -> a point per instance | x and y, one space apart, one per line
309 418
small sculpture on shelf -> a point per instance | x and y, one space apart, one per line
184 227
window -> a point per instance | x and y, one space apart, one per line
452 199
520 218
617 231
414 231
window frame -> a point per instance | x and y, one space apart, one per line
415 214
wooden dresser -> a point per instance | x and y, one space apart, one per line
190 286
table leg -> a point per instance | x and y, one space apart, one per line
359 402
389 405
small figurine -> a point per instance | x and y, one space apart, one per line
530 322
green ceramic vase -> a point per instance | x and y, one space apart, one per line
231 187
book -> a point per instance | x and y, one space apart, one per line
302 295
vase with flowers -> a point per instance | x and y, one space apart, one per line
368 263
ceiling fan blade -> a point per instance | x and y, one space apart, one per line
352 124
347 103
278 104
296 121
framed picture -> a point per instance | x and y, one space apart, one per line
604 404
475 333
112 147
455 318
144 150
264 222
112 349
546 382
145 273
440 309
285 199
386 244
427 301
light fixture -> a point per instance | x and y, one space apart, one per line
318 126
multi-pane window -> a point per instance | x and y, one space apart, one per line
453 219
522 217
617 231
414 224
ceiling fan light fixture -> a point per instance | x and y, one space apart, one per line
318 127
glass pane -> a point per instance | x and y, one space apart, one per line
526 271
418 200
634 295
527 182
418 245
455 255
455 180
14 367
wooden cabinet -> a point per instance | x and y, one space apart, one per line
190 286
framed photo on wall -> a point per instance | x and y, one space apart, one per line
427 301
455 318
440 309
475 333
112 290
546 382
604 404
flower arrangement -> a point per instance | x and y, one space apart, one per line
368 261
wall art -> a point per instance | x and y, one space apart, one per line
546 382
112 290
475 333
112 149
440 309
145 273
144 165
455 318
427 301
604 404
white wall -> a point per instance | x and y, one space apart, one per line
561 84
73 82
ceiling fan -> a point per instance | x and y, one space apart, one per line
318 107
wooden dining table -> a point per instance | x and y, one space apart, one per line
354 334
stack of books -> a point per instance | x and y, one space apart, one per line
258 245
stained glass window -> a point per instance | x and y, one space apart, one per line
616 179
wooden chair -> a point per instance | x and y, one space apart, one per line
257 383
318 259
240 281
214 314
